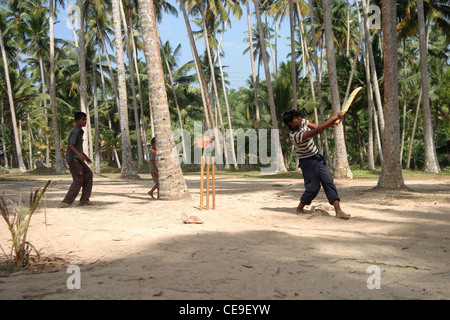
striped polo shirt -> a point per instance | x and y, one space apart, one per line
303 148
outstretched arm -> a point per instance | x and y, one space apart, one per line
316 129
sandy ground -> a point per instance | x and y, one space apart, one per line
252 246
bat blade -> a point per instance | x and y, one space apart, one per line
350 100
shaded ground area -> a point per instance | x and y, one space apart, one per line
252 246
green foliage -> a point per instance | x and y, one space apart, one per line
24 25
18 224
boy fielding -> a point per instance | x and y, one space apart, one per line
314 169
75 158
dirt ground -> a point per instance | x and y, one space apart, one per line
253 246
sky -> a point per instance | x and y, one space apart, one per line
238 64
173 29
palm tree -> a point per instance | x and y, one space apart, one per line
391 174
280 166
128 170
210 11
175 98
255 41
342 167
170 177
11 105
36 29
82 65
59 164
431 162
293 57
371 62
252 61
133 85
207 105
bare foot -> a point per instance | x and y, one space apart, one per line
299 211
342 215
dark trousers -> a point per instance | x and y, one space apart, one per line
315 173
82 178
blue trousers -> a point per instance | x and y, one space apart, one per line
316 173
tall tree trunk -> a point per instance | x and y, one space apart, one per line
280 165
370 108
172 85
11 107
310 75
402 147
431 162
59 164
219 142
209 114
47 147
82 65
2 125
321 108
30 148
293 64
140 154
391 174
128 168
225 96
105 95
413 131
141 106
172 184
97 158
373 70
341 167
252 61
318 81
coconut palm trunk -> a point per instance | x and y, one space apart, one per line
413 130
341 165
96 124
293 63
431 162
12 108
227 106
370 147
82 65
310 75
175 99
47 147
391 174
128 170
2 125
102 78
209 114
140 154
59 164
252 61
214 86
373 70
172 184
281 167
318 71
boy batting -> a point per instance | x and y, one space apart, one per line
314 168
